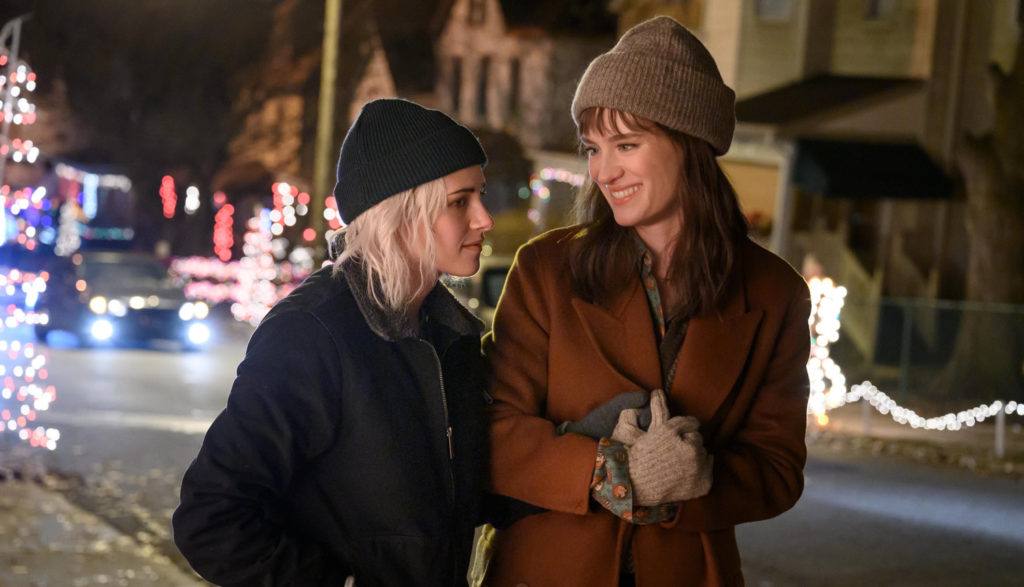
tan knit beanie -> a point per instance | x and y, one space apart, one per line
660 71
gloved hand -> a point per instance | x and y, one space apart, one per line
633 423
600 422
668 462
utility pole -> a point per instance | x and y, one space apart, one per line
323 162
10 33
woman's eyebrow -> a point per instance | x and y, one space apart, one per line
624 136
468 189
615 137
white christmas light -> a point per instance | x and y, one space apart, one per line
191 199
826 303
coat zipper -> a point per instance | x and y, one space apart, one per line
447 421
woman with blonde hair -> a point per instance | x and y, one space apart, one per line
658 289
353 443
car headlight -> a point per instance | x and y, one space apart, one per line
198 333
187 311
102 329
98 305
117 308
202 310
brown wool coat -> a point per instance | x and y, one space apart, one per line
555 357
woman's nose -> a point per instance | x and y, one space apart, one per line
482 220
604 170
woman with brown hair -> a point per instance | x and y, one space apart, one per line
658 288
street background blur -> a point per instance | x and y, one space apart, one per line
191 145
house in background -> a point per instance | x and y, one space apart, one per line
386 50
512 66
848 116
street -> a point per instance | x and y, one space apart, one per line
885 522
131 420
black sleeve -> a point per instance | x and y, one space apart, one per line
281 413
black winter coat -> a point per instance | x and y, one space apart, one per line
349 446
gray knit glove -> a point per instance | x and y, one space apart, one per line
601 421
667 463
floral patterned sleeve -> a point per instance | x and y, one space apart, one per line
612 488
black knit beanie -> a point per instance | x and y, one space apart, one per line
395 145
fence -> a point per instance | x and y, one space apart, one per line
958 362
940 351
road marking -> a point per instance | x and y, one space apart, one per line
181 424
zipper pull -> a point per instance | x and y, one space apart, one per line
451 451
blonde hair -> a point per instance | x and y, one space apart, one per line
394 241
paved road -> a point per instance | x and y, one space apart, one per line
131 420
866 521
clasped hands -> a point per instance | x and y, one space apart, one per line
667 459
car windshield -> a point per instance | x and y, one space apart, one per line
127 272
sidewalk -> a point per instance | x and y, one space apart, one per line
47 541
859 427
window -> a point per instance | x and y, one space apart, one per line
455 84
778 10
481 88
879 9
513 87
477 12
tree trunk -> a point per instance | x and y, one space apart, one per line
988 359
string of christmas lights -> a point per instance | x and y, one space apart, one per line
24 391
826 303
15 86
254 283
23 373
19 150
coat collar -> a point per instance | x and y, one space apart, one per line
713 355
440 306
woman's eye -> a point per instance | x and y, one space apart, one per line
589 150
460 203
627 146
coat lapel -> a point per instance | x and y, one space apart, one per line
622 332
715 352
713 356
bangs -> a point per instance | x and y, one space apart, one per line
607 121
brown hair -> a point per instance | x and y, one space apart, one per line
603 256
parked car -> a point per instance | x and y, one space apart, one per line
114 297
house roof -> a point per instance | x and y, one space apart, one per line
580 17
814 96
411 61
862 169
407 32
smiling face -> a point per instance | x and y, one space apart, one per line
638 170
459 230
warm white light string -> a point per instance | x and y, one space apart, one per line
826 302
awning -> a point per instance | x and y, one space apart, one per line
854 169
817 96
